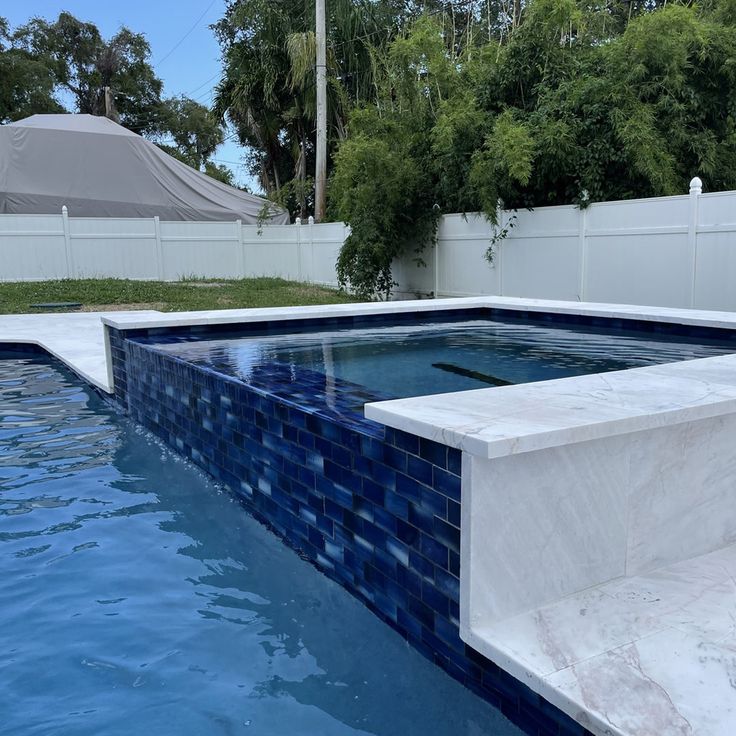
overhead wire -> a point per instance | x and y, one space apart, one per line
186 35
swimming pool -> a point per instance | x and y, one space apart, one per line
140 597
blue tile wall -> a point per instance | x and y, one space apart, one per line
376 509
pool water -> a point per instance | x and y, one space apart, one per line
430 358
140 598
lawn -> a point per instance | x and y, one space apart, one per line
112 294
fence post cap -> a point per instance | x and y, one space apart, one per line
311 220
64 210
298 221
696 185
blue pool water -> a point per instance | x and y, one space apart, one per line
139 598
430 358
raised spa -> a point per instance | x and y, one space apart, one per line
432 357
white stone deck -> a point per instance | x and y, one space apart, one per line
648 655
75 338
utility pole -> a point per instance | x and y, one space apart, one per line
320 178
108 103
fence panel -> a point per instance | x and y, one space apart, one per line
458 266
272 251
542 254
319 247
112 247
32 248
715 264
200 249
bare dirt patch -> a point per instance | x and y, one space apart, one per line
158 306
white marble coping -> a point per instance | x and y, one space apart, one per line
136 320
647 655
75 338
508 420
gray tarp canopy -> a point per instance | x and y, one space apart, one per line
97 168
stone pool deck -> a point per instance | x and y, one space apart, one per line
649 651
77 339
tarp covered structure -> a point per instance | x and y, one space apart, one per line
97 168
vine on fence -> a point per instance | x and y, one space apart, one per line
499 236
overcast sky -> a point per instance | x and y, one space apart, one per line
184 51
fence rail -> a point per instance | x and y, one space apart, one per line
666 251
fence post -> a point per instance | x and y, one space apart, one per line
696 189
311 238
159 248
437 261
298 225
502 220
67 242
241 248
583 251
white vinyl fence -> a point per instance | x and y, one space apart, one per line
666 251
39 247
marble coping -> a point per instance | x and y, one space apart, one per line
693 317
511 420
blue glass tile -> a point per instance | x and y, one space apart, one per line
433 550
434 502
433 452
421 518
419 469
375 508
454 460
447 583
409 488
394 458
334 551
373 492
446 483
363 508
383 475
342 456
446 534
438 602
405 441
396 505
374 535
407 533
422 612
385 519
408 622
421 565
453 513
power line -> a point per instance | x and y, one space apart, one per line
186 35
196 89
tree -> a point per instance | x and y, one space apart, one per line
26 82
267 88
83 64
191 127
566 103
43 62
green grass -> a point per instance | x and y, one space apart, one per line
192 294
